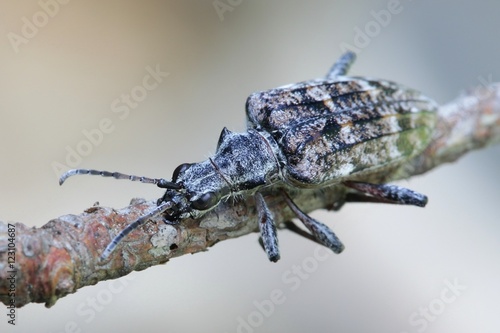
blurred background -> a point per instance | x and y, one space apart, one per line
77 90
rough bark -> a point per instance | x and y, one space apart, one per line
63 255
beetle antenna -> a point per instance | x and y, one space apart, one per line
132 226
160 182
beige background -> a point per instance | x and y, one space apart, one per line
66 77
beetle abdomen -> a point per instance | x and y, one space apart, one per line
334 129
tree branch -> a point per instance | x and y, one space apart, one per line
63 255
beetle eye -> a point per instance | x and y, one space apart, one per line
181 168
206 201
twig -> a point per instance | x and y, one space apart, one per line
63 255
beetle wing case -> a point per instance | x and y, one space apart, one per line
332 129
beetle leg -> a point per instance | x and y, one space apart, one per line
301 232
386 193
267 228
341 66
320 231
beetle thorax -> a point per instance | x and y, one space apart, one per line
243 162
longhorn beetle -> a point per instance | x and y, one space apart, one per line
336 131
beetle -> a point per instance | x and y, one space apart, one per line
334 131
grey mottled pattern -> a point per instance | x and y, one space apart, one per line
339 130
331 129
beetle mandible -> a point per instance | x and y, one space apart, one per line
338 130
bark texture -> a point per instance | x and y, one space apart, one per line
63 255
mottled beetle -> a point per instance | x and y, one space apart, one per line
335 131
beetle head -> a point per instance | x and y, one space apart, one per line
187 196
